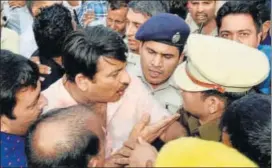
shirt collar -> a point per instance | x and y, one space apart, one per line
195 28
69 100
208 131
169 83
213 33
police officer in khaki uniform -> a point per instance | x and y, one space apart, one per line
215 74
162 38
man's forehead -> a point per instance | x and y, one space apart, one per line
237 22
29 94
117 13
136 16
110 60
161 47
109 64
45 3
30 88
202 0
119 9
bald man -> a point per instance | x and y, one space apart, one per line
52 142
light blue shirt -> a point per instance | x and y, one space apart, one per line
265 86
18 19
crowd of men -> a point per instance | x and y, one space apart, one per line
131 83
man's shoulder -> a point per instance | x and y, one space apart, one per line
136 87
170 98
170 89
192 24
8 143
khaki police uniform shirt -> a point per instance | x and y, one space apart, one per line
167 94
133 61
208 131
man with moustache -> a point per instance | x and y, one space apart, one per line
242 22
161 50
117 16
94 61
203 16
21 103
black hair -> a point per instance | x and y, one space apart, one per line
239 7
227 97
264 9
82 49
74 150
248 124
50 28
151 8
117 4
179 8
16 73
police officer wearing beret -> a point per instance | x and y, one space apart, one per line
162 38
215 74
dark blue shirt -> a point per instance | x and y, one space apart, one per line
12 151
267 40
